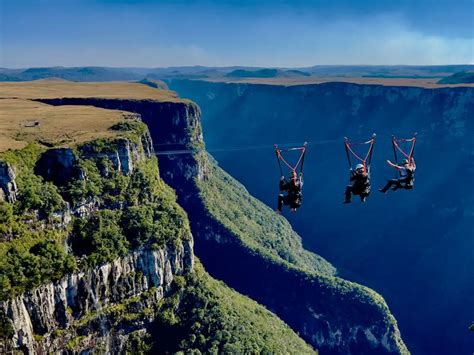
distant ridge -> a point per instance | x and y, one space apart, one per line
265 73
464 77
93 73
157 84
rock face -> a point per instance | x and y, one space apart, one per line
335 318
57 165
8 188
87 311
59 306
429 268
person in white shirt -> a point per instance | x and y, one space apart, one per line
407 176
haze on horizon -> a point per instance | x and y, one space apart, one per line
146 33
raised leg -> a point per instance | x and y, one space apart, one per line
390 183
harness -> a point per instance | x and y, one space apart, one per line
366 160
299 164
396 143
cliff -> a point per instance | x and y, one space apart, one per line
97 308
61 293
332 314
96 255
411 246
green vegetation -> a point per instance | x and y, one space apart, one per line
99 237
74 342
130 126
43 262
137 344
255 224
128 211
6 327
206 316
31 247
149 214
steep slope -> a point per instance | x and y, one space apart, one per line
332 314
95 252
255 224
212 318
413 247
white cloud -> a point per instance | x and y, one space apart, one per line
378 40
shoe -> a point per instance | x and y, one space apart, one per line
383 191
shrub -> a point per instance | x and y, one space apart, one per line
99 237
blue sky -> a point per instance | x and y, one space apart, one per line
221 33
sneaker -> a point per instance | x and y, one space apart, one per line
383 191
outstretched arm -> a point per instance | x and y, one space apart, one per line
394 165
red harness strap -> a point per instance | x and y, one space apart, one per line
396 144
300 161
368 157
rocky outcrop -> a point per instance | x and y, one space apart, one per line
57 165
39 316
8 187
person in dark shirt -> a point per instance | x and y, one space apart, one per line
292 189
407 176
360 184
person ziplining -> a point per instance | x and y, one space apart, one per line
360 177
291 190
405 173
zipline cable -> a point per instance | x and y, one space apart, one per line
290 146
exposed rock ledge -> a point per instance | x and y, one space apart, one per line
38 314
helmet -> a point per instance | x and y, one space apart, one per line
359 166
292 174
405 161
